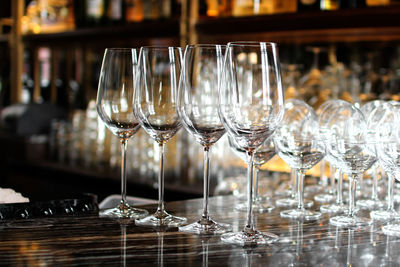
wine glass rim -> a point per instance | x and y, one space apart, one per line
120 48
251 43
206 45
160 47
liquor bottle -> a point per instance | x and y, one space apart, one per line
95 12
378 2
115 11
329 5
80 13
308 5
133 10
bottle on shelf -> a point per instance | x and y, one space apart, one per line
134 10
308 5
329 5
378 2
115 11
95 12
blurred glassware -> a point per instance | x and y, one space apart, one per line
372 203
352 153
261 156
384 119
297 143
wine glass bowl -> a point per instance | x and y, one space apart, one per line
250 108
115 97
155 107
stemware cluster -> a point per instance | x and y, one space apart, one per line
209 90
236 89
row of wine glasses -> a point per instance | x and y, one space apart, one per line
209 90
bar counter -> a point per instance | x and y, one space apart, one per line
91 240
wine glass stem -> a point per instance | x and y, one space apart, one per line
390 200
161 179
124 143
255 171
375 183
339 193
206 182
352 195
293 178
300 189
249 228
332 189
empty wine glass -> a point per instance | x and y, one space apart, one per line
115 97
329 110
251 107
261 156
297 143
354 154
156 109
198 110
372 203
385 120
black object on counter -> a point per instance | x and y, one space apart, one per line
85 204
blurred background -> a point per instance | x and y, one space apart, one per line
51 141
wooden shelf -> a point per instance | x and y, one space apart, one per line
351 25
106 34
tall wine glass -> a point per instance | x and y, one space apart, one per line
115 97
198 110
261 156
156 109
385 119
297 143
251 108
354 154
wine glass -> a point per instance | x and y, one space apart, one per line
297 143
261 156
251 108
198 110
372 203
385 120
350 148
328 110
115 97
156 109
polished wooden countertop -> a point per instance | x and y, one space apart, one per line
95 241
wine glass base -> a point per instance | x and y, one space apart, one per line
206 227
391 229
283 193
249 239
333 209
324 198
292 202
370 204
161 219
347 221
315 188
124 211
301 214
257 207
384 215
